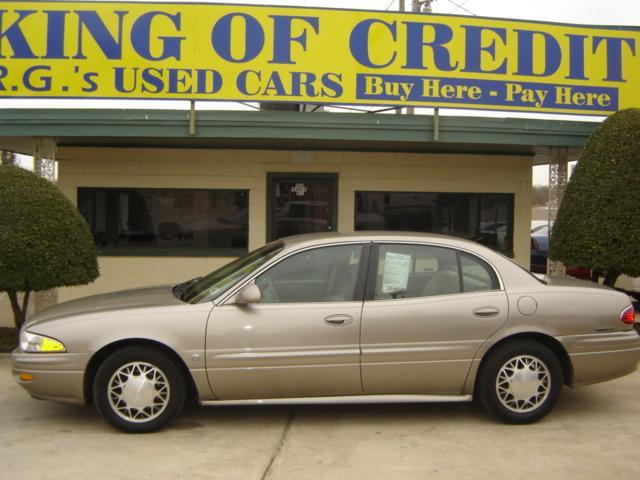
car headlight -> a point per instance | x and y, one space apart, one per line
34 343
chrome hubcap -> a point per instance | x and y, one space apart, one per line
523 383
138 392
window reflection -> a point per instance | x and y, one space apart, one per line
152 218
300 205
484 217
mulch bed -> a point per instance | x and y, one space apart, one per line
8 339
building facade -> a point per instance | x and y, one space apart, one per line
171 195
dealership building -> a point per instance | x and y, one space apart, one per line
173 194
169 197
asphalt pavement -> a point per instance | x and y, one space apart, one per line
593 433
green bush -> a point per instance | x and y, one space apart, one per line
44 241
598 223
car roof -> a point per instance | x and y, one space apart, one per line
312 239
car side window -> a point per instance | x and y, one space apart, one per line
410 271
477 276
326 274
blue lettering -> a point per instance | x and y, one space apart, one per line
4 71
275 86
359 42
178 78
55 34
119 80
243 80
208 78
15 36
141 37
474 49
253 38
332 85
614 55
576 57
443 34
282 38
306 80
152 80
110 46
552 53
91 86
44 81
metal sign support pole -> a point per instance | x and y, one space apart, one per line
44 164
558 175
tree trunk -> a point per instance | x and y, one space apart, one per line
19 313
7 158
610 279
595 276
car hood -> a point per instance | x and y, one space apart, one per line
156 296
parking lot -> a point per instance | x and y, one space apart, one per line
593 433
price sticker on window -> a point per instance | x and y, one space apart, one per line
397 267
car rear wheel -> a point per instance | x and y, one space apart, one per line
139 389
520 382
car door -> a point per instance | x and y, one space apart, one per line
302 339
427 311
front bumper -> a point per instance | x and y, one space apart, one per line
55 376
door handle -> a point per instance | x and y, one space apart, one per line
486 312
336 320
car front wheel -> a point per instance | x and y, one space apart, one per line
138 389
520 382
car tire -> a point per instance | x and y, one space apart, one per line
139 389
520 382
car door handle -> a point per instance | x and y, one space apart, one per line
485 312
338 320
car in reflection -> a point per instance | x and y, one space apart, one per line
539 246
333 318
296 217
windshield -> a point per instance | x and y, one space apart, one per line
216 283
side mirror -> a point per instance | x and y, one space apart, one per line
248 294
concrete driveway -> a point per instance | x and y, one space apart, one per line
593 433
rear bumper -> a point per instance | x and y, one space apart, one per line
599 357
55 376
600 366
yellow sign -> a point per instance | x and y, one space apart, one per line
132 50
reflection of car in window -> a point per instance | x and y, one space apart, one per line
296 217
492 235
148 218
228 231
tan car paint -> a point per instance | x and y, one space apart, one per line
426 344
300 355
284 350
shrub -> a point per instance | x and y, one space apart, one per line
44 241
598 223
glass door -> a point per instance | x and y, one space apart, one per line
300 203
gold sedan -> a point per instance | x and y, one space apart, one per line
372 317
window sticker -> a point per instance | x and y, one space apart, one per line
397 267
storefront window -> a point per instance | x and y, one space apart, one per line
486 218
153 221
